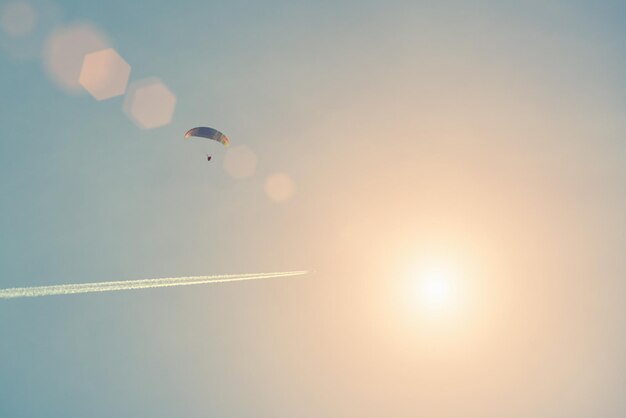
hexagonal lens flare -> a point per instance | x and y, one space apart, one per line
149 103
104 74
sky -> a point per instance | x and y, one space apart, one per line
452 174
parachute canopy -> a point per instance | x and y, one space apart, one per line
208 133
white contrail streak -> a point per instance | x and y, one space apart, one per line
68 289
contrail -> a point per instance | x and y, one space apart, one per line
69 289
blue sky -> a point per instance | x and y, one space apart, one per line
489 136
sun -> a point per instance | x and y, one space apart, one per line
436 288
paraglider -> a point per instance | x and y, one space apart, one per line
208 133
